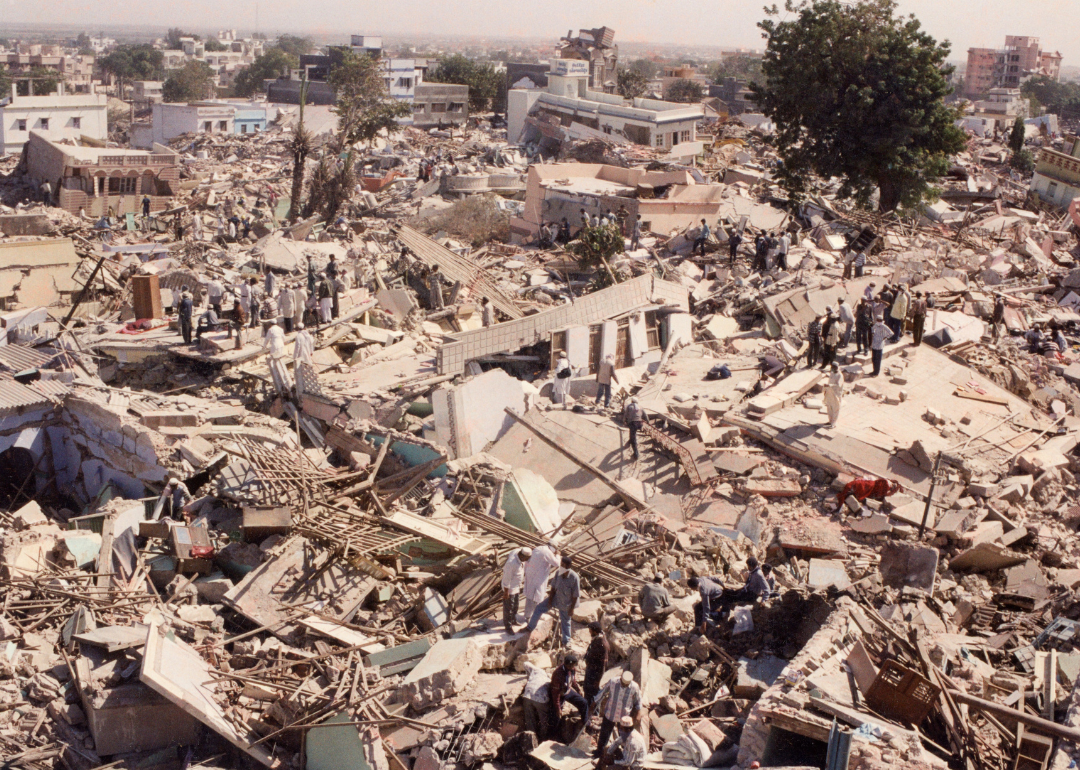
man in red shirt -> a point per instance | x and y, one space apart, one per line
878 489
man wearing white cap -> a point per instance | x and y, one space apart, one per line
513 578
304 346
623 701
561 389
628 750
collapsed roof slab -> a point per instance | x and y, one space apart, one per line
509 336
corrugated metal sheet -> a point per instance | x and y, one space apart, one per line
455 268
14 397
18 358
54 389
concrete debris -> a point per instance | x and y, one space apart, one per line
358 489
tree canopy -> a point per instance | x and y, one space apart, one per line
213 45
631 83
1052 95
683 90
294 46
1017 135
857 93
190 83
363 106
486 85
742 66
133 62
270 65
172 38
644 67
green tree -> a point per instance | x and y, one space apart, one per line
683 90
1052 95
45 81
483 81
172 38
1017 135
595 247
82 41
133 62
273 64
213 45
631 83
741 66
294 46
190 83
644 67
1023 161
856 92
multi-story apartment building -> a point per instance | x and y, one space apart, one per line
1008 67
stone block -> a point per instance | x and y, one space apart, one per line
587 611
445 671
982 489
171 419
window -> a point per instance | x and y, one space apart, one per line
208 126
243 128
659 140
438 106
652 330
119 185
76 122
456 107
20 125
684 136
44 124
1051 190
404 82
418 107
223 125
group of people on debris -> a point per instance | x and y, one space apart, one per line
279 304
548 582
630 227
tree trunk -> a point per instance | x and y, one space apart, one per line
889 197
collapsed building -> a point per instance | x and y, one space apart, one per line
328 592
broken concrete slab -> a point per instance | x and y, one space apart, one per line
446 670
908 565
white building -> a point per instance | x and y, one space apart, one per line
171 120
569 101
57 116
401 76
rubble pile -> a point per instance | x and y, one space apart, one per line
798 488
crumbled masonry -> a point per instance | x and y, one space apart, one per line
323 587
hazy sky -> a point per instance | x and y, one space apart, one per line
724 22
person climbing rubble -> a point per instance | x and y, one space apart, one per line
860 489
619 699
513 579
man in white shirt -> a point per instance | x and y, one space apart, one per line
304 346
274 341
513 578
538 571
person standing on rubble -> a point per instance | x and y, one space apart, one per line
859 264
879 333
337 284
734 242
303 346
560 388
300 301
918 318
619 699
834 393
487 310
564 593
270 283
596 660
702 239
435 282
253 302
1057 337
564 231
183 316
782 248
605 373
847 318
634 417
999 316
274 341
813 338
513 578
245 297
564 687
830 332
146 207
214 292
635 234
174 499
312 279
535 700
898 312
326 299
286 307
538 571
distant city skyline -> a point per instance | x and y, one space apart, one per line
977 23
